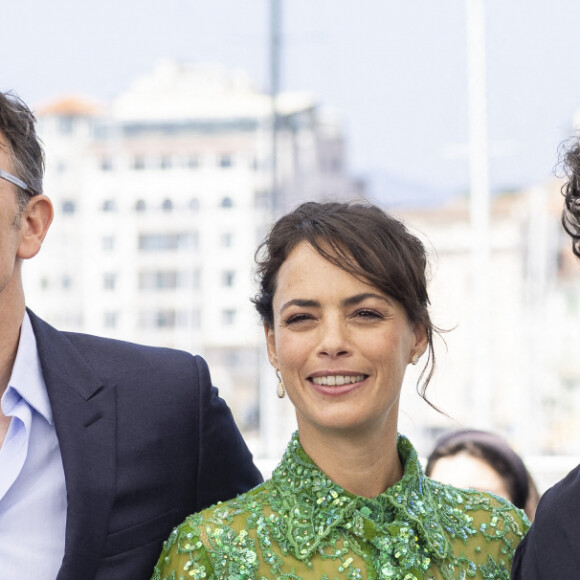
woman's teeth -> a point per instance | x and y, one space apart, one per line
337 380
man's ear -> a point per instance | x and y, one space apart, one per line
271 346
35 221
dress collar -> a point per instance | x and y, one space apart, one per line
404 522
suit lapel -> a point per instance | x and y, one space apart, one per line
84 411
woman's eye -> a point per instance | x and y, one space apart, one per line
370 314
297 318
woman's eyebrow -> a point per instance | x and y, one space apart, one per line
358 298
303 303
350 301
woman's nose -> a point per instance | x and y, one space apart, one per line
333 340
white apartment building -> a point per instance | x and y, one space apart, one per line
162 196
531 394
160 201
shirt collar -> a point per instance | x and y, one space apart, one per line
26 380
313 506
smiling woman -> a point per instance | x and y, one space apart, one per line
343 298
342 347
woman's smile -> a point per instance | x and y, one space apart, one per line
341 345
335 385
338 380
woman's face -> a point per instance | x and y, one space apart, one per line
468 472
342 346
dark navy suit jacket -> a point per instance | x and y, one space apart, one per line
551 549
145 441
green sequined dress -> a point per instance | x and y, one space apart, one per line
300 524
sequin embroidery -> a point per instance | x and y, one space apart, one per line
300 524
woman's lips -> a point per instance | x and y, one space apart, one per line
338 380
336 385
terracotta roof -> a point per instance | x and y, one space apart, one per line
69 105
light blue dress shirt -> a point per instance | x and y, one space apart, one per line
32 485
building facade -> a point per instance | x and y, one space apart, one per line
160 201
531 391
162 197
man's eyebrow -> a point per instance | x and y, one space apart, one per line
358 298
300 302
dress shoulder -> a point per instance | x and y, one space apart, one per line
191 547
483 530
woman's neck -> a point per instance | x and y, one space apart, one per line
363 464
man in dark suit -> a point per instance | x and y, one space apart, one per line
551 549
105 445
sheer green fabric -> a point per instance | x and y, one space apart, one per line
300 524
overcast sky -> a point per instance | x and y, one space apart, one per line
396 71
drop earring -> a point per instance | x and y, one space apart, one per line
415 359
280 390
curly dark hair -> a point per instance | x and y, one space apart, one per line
570 161
362 240
17 127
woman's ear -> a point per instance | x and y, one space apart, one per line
421 341
35 221
271 346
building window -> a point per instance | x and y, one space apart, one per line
225 160
140 205
65 125
195 320
228 317
68 207
226 240
193 161
166 162
183 319
162 242
194 204
195 280
111 319
165 319
158 319
108 243
227 202
261 199
66 282
159 280
109 281
139 162
167 205
228 278
106 163
109 205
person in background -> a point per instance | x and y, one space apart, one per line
481 460
104 445
344 303
551 549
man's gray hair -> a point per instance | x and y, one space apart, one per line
17 127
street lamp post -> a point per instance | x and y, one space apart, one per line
482 392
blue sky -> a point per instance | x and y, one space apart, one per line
395 70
